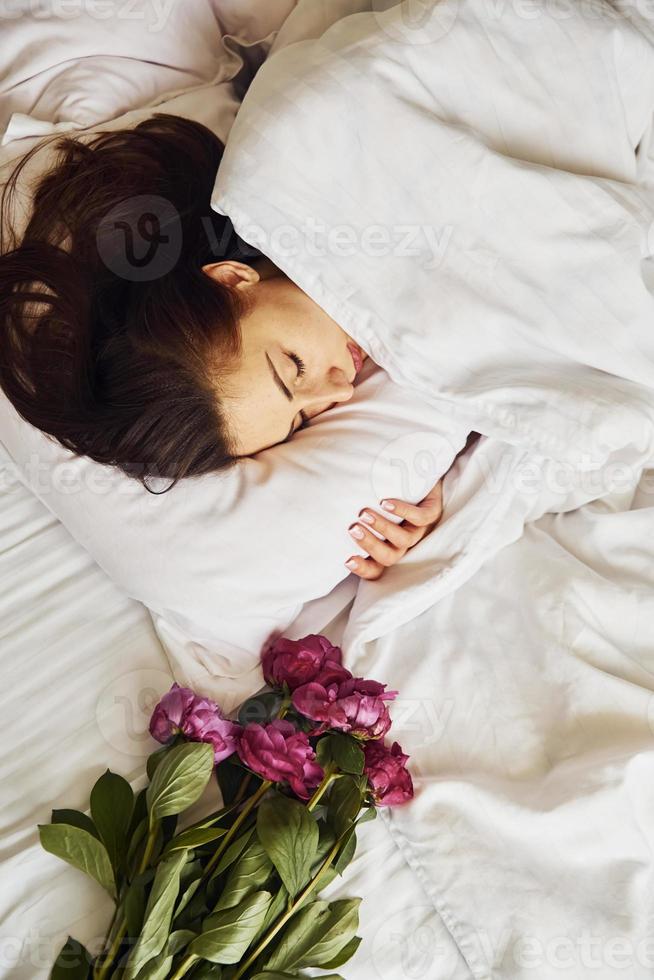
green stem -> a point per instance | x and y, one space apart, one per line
290 911
285 705
229 836
225 810
149 847
111 955
327 780
185 966
120 935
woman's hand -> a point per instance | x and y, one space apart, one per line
418 521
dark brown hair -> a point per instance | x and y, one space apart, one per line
112 339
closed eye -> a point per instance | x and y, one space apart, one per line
299 363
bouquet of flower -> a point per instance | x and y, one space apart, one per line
235 895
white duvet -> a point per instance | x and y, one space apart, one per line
468 188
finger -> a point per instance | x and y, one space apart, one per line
400 535
383 552
426 512
366 568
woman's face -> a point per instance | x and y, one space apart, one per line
295 362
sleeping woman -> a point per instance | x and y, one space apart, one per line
178 373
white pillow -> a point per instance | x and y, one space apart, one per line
223 559
77 64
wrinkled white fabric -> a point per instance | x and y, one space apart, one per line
490 228
518 632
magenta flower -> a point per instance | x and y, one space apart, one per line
296 662
198 719
353 705
282 754
389 780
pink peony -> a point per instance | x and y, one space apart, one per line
198 719
353 705
296 662
389 779
282 754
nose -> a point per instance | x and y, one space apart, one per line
332 389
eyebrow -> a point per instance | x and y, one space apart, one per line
278 381
282 387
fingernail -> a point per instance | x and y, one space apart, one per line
351 563
387 505
367 517
356 532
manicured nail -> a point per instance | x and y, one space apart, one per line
388 505
351 563
367 517
356 532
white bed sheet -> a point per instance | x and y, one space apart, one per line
82 668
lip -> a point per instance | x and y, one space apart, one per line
357 358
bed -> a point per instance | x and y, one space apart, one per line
527 680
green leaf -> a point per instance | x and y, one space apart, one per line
344 804
249 874
261 708
80 849
345 954
323 750
326 841
158 913
134 903
207 971
112 803
295 936
190 839
140 810
155 758
346 852
189 883
234 851
333 933
227 934
229 776
273 975
137 841
158 968
72 963
316 935
347 753
75 818
327 877
289 834
275 909
180 779
369 813
137 829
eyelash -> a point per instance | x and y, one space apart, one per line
299 363
301 369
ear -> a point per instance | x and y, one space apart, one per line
235 274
